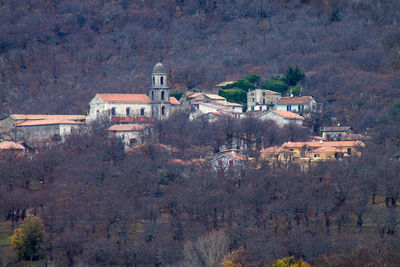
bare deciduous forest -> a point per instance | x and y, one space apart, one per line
103 207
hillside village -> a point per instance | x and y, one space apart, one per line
132 118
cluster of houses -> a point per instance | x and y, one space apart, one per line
132 117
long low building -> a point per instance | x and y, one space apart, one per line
40 130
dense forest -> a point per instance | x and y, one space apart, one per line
98 205
55 55
101 206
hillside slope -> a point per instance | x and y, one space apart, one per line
55 55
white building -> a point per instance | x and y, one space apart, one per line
260 99
132 134
282 117
230 162
39 130
157 104
298 104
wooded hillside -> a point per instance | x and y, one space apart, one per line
55 55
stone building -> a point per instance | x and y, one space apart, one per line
260 99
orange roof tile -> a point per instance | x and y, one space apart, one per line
287 114
295 100
47 117
48 122
124 98
174 101
273 149
323 144
128 127
7 145
215 96
226 103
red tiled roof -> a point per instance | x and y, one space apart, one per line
215 96
295 100
229 104
141 119
7 145
287 114
273 149
323 144
174 101
124 98
48 122
128 127
47 117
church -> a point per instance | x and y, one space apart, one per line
157 105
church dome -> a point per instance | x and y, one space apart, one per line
159 69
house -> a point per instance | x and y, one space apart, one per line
40 130
261 99
131 134
335 133
282 118
204 108
12 149
157 104
8 124
276 155
298 104
175 104
324 149
230 162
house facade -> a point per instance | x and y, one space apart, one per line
298 104
335 133
40 130
230 163
261 99
282 118
132 133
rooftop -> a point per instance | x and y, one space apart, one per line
215 96
323 144
48 122
124 98
7 145
159 69
47 117
128 127
226 103
286 114
295 100
174 101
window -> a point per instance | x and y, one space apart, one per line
163 111
349 151
162 95
316 156
152 95
128 111
219 162
162 80
263 93
339 137
252 108
264 101
252 100
289 108
113 111
154 81
142 112
132 141
231 163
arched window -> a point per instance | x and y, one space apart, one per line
163 110
162 94
152 94
154 81
162 80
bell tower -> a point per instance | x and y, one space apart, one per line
159 93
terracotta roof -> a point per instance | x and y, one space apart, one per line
124 98
336 129
174 101
287 114
295 100
128 127
47 117
48 122
220 108
141 119
317 138
229 104
7 145
195 162
194 94
215 96
273 149
323 144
